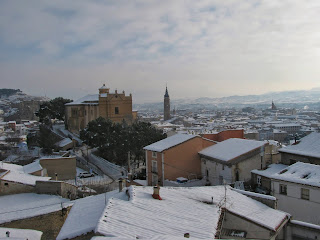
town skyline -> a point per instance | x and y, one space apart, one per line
200 49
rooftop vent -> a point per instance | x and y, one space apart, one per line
156 192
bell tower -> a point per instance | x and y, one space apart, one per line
166 110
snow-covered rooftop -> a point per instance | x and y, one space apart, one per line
85 214
32 167
272 169
86 99
26 205
16 173
303 173
169 142
182 210
64 142
231 148
308 146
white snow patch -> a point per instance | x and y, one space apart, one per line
85 214
169 142
22 234
26 205
231 148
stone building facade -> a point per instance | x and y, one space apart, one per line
114 106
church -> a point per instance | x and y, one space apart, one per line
114 106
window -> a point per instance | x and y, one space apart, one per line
304 193
154 167
283 189
259 180
154 154
6 184
116 110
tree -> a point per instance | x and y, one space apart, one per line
54 109
115 140
44 139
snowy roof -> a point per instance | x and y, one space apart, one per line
308 146
22 234
85 214
231 148
272 169
181 210
304 173
64 142
32 167
16 173
83 100
26 205
169 142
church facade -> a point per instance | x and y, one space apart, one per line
114 106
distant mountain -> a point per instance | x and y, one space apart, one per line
296 99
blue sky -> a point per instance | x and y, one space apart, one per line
199 48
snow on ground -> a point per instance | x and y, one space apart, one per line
22 234
26 205
168 142
182 210
231 148
85 214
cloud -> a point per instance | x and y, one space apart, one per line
201 48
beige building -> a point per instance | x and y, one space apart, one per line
114 106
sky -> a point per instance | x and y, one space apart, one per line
197 48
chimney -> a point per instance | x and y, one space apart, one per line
120 184
156 192
187 235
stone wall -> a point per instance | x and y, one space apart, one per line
7 187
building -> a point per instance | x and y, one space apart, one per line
199 213
295 185
232 160
307 150
174 157
166 107
114 106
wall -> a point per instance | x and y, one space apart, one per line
224 135
297 232
219 172
288 203
65 167
14 188
62 189
254 231
287 157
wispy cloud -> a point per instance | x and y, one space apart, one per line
201 48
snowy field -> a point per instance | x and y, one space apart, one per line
26 205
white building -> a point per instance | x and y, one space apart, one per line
232 160
297 188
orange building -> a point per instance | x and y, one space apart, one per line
173 157
224 135
114 106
